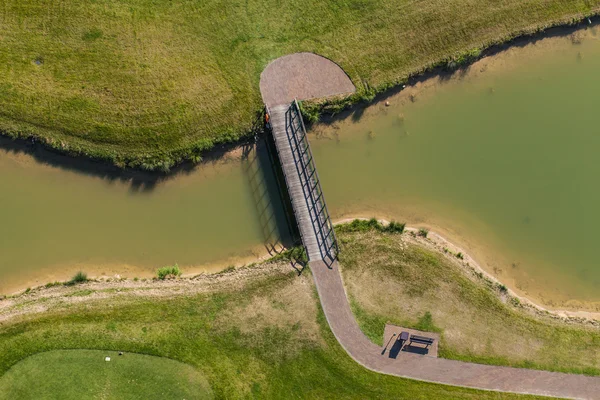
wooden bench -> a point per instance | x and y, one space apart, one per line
421 340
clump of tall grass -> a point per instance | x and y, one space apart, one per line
80 277
230 268
423 232
426 324
311 112
394 227
171 271
361 225
295 254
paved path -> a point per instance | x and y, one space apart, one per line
457 373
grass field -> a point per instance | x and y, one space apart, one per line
149 83
257 338
81 374
389 278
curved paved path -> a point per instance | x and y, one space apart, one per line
457 373
305 76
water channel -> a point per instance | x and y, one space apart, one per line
501 158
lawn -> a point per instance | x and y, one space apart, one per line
81 374
149 83
391 277
260 337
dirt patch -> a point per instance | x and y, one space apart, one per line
293 306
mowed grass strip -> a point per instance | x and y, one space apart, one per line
391 278
148 83
266 339
84 374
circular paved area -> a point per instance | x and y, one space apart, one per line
302 76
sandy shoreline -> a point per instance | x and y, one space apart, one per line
434 241
41 299
439 243
125 271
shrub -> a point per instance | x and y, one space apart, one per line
460 256
172 271
423 232
80 277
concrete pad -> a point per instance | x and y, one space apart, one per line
392 346
303 76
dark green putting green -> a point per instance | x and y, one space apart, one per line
84 374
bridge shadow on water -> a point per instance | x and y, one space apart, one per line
271 199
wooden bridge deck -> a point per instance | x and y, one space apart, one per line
302 181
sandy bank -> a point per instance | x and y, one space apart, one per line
446 247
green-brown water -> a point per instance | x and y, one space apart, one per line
56 221
501 159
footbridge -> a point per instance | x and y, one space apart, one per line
302 180
303 76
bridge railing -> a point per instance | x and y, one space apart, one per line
311 185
